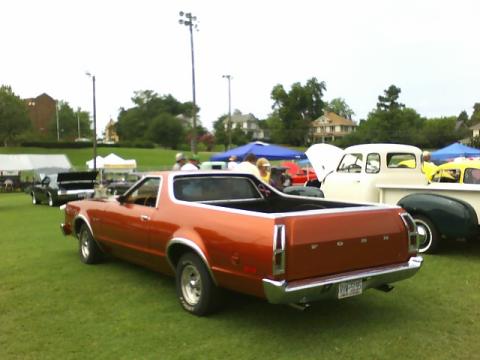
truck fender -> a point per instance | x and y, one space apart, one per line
439 216
179 244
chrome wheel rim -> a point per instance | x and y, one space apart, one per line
424 236
191 284
84 245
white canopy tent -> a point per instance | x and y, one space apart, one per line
26 162
113 163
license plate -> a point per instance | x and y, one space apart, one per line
349 288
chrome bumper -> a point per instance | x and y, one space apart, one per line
305 291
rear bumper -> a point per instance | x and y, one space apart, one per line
304 291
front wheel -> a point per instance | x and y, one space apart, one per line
34 199
196 290
428 238
89 251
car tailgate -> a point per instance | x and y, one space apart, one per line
337 242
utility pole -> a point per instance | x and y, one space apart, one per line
190 21
229 125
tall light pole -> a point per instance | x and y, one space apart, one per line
56 115
229 126
190 21
94 124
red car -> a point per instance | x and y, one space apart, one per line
301 176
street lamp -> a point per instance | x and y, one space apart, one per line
56 115
229 126
189 20
94 123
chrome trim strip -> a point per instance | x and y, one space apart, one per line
303 291
192 245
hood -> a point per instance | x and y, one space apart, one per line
80 176
324 158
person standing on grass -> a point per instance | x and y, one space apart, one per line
193 163
180 160
249 165
264 168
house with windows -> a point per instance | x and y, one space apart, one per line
249 124
475 130
110 133
41 111
330 126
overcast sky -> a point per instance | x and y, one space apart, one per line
429 48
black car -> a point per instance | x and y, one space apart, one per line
56 189
119 185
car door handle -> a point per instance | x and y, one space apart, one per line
144 217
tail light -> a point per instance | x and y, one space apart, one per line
412 232
279 249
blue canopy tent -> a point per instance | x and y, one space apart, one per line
260 149
453 151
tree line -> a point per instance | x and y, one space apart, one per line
165 121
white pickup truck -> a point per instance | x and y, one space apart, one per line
392 174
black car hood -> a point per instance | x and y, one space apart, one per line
80 176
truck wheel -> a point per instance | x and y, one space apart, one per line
196 290
428 238
89 251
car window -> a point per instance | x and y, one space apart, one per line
214 188
351 163
447 176
401 160
471 176
145 194
373 163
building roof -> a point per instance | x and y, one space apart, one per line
334 119
243 118
475 127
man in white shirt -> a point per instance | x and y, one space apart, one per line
192 164
249 165
232 163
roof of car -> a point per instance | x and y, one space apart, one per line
383 148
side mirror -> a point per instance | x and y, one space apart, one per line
121 199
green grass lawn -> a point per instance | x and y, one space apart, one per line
54 307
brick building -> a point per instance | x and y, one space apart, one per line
41 111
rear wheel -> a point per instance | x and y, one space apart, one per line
428 238
89 251
196 290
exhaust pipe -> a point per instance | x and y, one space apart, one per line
385 288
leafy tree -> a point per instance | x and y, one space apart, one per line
390 122
389 102
14 118
339 107
208 140
134 123
439 132
68 123
475 118
166 130
221 136
297 108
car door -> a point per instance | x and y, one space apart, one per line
125 225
